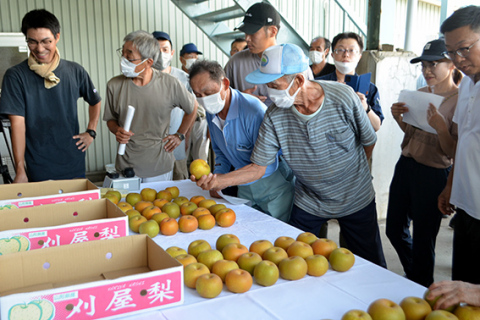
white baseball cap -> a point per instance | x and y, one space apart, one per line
278 61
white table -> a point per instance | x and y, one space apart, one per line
325 297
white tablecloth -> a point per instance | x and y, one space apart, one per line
325 297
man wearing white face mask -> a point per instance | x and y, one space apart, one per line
197 137
319 50
188 55
154 94
347 50
326 139
234 119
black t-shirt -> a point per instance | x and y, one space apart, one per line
329 68
51 117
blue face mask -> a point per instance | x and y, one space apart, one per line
128 68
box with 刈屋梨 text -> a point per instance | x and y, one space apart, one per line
90 280
60 224
24 195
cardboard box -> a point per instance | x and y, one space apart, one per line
60 224
24 195
90 280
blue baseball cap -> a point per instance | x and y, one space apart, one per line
278 61
189 48
160 35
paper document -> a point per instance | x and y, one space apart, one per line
417 103
233 200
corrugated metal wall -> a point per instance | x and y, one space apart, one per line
428 24
93 29
312 18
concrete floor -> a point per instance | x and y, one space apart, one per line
443 261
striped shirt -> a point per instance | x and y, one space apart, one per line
325 153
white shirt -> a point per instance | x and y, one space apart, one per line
466 178
177 114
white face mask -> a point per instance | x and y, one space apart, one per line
189 63
213 103
316 56
128 68
163 61
282 98
345 67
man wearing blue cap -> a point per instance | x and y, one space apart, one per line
326 139
188 56
234 119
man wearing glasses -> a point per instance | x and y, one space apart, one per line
346 53
462 34
153 94
40 95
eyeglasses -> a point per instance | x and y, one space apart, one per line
349 51
34 43
120 55
429 65
461 52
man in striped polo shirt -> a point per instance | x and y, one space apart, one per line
326 139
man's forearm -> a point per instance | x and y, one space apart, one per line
188 120
369 151
18 143
94 116
113 126
247 174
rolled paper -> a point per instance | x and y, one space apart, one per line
128 122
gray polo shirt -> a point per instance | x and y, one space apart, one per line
325 153
239 66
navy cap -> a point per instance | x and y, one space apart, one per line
189 48
433 51
160 35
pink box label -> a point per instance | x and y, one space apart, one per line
99 231
44 238
105 301
32 202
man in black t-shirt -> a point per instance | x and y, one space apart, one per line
40 95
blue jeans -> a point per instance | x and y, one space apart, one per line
360 230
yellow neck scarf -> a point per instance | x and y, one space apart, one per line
45 70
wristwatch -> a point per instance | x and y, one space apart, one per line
92 133
181 136
369 108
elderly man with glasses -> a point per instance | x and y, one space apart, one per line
40 95
153 94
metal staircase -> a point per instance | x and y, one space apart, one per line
219 25
214 23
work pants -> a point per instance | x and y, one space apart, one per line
272 195
466 248
360 230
